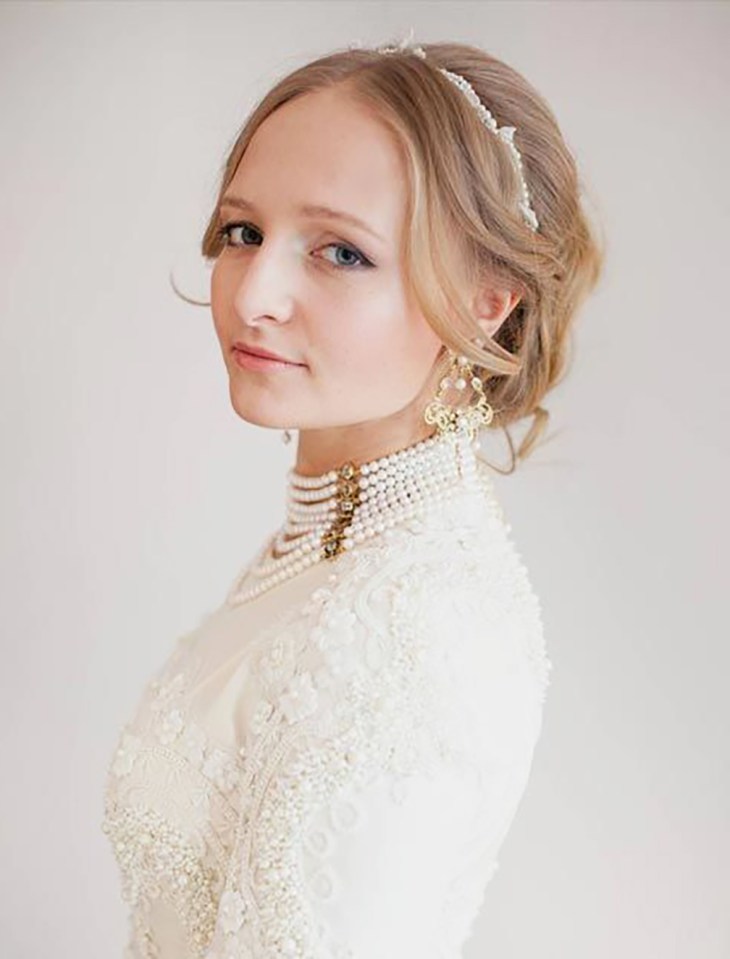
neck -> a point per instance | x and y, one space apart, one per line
319 451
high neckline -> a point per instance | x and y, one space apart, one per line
332 513
336 509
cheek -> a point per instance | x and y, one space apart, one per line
380 348
216 298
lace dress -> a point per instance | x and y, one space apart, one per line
328 771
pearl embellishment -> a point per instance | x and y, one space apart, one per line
329 514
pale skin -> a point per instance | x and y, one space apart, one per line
297 285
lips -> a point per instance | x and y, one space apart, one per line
267 354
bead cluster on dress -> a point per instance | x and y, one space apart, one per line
331 513
153 855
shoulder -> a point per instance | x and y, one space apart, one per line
437 623
432 626
453 575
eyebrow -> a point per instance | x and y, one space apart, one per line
308 209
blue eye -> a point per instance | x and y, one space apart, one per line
226 230
360 260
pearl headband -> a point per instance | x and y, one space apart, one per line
506 134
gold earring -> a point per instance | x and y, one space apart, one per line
453 418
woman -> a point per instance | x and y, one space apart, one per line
327 765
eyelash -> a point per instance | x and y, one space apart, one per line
224 235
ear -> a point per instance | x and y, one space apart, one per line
493 305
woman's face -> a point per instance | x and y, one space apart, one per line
326 294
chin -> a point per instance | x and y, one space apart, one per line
258 413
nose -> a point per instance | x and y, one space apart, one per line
264 289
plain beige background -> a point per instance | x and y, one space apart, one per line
132 494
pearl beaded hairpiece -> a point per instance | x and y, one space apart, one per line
506 134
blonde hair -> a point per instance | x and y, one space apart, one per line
463 222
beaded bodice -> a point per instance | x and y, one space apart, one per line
328 770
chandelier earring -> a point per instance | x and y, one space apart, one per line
452 418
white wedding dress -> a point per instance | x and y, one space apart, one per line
328 771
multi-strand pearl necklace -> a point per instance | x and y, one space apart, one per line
329 514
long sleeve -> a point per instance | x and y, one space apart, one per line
397 867
389 749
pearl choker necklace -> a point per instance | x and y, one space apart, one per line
329 514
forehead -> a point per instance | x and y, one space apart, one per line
325 148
